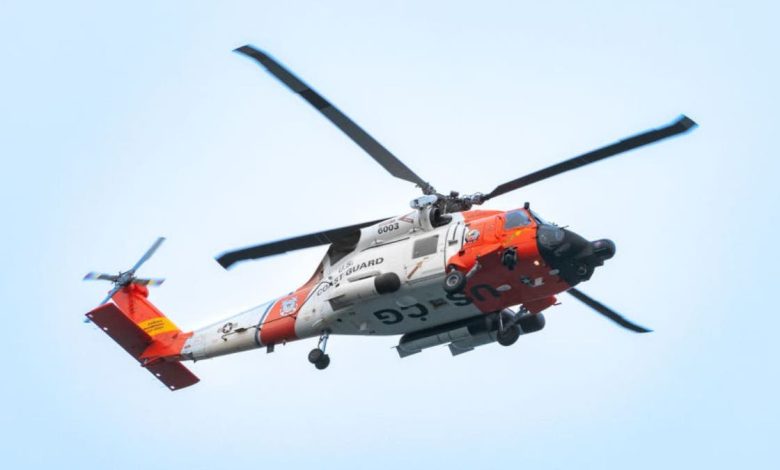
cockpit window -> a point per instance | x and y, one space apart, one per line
516 218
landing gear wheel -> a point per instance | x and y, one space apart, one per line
454 282
316 355
508 336
323 362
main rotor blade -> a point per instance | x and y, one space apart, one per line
290 244
376 150
683 124
607 312
148 254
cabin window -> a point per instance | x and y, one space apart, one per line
516 218
425 246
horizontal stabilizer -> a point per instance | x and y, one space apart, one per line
135 340
173 374
121 329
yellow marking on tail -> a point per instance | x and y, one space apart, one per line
156 326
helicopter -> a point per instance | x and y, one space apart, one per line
443 273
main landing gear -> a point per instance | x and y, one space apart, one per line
455 281
508 330
317 355
511 325
508 336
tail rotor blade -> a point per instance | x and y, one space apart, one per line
607 312
125 278
148 254
149 282
93 276
111 294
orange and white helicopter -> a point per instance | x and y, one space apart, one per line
442 274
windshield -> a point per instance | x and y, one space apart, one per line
516 218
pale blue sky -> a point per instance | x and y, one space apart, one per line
124 123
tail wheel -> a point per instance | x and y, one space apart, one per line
316 355
454 282
323 362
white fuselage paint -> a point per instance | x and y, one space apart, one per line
344 301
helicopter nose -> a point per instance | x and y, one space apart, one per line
559 242
574 257
604 249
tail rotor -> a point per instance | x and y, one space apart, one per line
125 278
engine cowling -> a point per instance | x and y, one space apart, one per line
350 292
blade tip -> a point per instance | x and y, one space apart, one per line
248 50
686 123
224 261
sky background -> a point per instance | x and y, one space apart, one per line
124 123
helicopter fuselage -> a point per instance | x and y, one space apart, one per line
390 281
